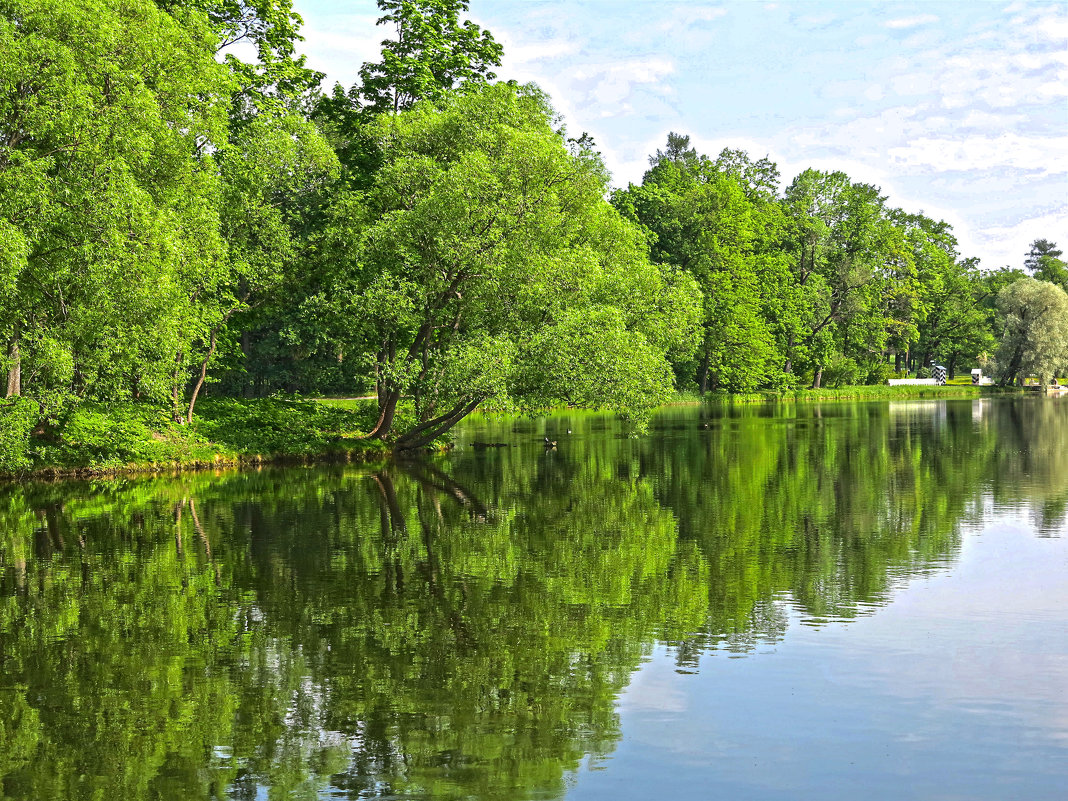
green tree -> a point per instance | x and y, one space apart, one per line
147 189
433 54
716 222
484 264
1045 263
278 78
108 190
841 246
942 311
1035 338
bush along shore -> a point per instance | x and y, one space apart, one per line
104 439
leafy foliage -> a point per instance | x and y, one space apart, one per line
17 419
434 53
1035 342
180 208
482 232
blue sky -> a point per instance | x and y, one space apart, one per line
958 109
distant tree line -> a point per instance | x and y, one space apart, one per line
172 217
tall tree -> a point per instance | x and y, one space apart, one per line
1045 263
943 311
485 264
703 221
109 113
1035 339
841 243
272 159
434 52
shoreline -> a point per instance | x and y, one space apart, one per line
311 446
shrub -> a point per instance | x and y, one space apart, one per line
879 374
17 419
100 435
841 371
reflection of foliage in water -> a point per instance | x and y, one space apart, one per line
460 628
1030 464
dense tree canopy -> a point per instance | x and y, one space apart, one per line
1035 342
485 264
821 282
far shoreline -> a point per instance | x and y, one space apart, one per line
311 445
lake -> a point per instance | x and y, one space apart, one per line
758 602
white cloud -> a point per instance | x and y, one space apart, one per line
987 121
1047 155
874 92
1007 244
902 23
816 20
704 14
342 48
637 70
532 53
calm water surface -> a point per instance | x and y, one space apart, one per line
812 601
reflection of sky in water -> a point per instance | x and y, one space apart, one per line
957 689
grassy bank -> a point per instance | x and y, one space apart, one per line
100 439
951 390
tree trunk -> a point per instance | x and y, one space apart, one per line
1011 374
425 433
14 370
249 388
897 361
387 411
388 394
952 366
702 372
789 366
176 389
203 374
380 384
817 378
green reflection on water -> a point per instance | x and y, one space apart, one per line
462 628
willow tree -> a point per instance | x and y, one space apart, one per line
484 263
1035 339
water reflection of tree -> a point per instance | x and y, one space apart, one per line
1033 465
492 668
824 506
415 632
389 630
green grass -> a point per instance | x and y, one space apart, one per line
351 404
100 438
956 389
